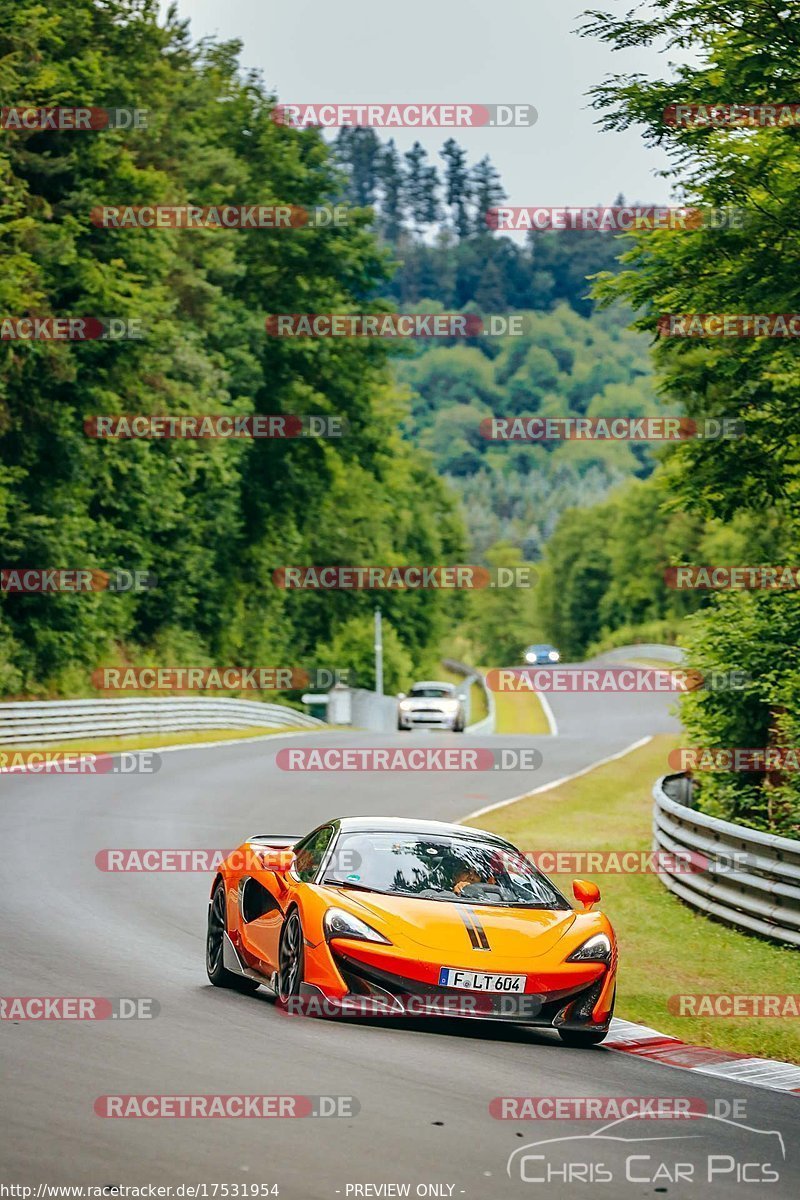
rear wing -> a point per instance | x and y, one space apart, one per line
277 840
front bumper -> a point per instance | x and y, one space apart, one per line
427 719
373 992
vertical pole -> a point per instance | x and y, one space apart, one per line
378 653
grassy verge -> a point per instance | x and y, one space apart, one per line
478 708
144 741
665 947
519 712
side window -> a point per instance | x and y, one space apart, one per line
309 852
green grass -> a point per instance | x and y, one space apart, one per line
478 708
519 712
665 947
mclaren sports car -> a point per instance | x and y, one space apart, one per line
387 917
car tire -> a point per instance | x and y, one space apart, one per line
217 972
290 959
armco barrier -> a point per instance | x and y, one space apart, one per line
63 720
751 879
669 654
472 676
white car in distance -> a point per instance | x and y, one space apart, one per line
432 704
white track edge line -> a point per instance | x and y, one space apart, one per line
548 787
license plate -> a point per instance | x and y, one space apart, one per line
480 981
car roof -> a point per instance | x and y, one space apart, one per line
408 825
434 683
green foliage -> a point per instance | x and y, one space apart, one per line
211 519
352 648
746 52
603 573
501 621
564 365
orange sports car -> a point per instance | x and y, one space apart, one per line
390 917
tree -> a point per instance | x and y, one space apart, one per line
212 519
360 152
390 176
488 193
745 51
421 187
458 187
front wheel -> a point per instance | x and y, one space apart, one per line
217 972
290 959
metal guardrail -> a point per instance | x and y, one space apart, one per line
669 654
472 676
744 877
64 720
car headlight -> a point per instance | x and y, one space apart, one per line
594 949
405 705
338 923
554 656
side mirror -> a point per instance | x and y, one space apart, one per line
587 893
401 695
279 861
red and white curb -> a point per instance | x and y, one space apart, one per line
645 1042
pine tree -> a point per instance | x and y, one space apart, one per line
488 192
421 187
390 176
458 187
359 151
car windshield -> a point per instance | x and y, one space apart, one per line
440 867
431 692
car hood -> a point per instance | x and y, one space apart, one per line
447 926
432 702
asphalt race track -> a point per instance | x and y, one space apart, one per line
423 1088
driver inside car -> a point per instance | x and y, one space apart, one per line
467 876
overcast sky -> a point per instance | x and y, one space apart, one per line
458 50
